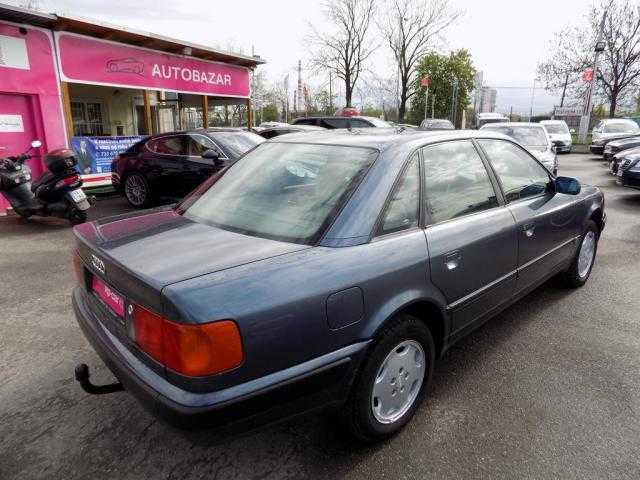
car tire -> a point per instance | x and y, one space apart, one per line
578 273
137 190
395 374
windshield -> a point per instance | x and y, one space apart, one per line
437 124
621 127
236 144
283 191
556 128
529 136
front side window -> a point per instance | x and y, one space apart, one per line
404 206
283 191
174 145
520 175
198 144
457 183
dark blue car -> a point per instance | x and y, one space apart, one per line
326 269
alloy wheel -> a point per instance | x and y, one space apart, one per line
587 253
136 190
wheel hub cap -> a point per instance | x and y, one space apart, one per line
587 252
398 381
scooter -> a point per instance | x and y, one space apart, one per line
56 193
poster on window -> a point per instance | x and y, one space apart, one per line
95 154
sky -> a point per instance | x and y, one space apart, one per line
506 38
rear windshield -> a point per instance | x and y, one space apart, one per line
236 144
284 191
556 128
621 127
529 136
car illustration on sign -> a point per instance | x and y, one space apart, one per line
125 65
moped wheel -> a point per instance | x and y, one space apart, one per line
76 217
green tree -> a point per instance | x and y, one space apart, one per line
443 71
270 113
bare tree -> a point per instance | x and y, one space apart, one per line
346 47
618 75
411 28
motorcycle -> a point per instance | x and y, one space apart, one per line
56 193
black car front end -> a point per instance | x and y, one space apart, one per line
628 172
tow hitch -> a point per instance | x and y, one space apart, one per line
82 376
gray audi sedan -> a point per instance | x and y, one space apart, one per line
326 269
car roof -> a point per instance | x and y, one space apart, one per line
617 120
550 122
293 127
336 116
384 138
489 126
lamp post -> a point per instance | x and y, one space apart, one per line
585 119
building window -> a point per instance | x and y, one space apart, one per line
87 118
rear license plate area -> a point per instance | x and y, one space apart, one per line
109 296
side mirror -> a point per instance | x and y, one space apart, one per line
211 154
36 144
567 185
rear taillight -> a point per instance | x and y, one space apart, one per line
78 268
70 180
193 350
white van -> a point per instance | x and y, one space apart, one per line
559 133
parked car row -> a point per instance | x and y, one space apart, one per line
324 269
611 129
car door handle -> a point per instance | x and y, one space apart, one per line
452 260
529 229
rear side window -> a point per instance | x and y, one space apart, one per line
174 145
457 182
334 123
520 175
403 209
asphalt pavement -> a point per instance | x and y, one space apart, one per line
548 389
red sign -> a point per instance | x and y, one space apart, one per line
89 60
424 81
587 75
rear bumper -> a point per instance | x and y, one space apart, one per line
321 382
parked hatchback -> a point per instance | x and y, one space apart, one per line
170 165
330 270
559 133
